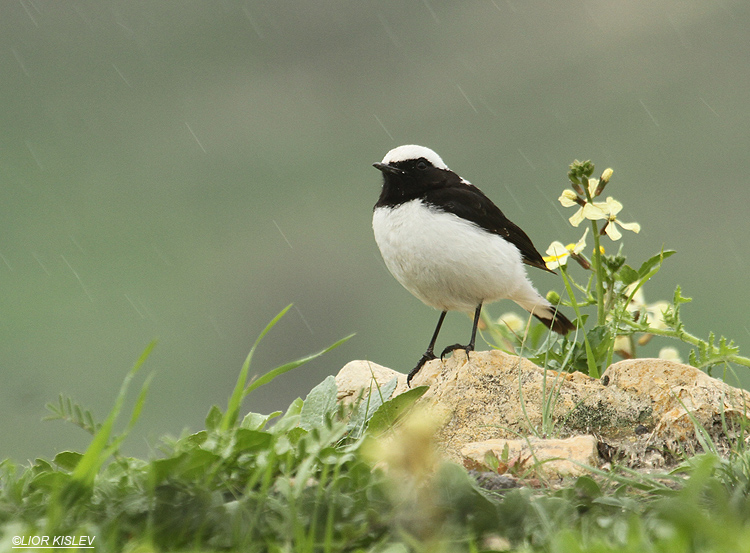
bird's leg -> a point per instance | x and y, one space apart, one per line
429 355
470 347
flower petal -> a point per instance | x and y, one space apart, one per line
639 299
581 244
634 227
557 255
594 212
593 184
577 217
613 232
613 206
624 346
556 249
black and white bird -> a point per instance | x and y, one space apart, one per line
450 246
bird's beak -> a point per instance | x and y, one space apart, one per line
385 168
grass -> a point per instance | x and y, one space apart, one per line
311 479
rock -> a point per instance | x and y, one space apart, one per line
681 396
547 458
359 376
497 395
642 412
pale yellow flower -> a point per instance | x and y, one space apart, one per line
608 211
671 354
558 254
514 323
569 198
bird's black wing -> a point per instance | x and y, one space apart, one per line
468 202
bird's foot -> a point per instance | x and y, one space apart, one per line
454 347
428 356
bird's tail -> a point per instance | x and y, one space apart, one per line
554 320
548 314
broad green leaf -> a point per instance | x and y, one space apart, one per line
290 418
627 274
195 439
161 469
374 398
41 465
653 261
67 460
587 486
388 413
250 440
256 421
214 418
197 462
319 404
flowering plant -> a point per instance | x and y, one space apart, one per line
623 320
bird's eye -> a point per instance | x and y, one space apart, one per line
422 165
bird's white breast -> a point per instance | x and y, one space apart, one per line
444 260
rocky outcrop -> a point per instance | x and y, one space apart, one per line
642 413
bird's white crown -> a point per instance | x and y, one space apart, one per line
412 151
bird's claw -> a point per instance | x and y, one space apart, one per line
428 356
454 347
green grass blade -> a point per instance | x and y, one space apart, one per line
270 375
95 455
135 415
238 394
242 389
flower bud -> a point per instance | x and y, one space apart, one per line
553 297
568 198
581 260
603 180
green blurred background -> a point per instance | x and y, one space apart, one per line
183 170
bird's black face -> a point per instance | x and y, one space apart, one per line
410 178
411 169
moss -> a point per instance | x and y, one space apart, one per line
600 416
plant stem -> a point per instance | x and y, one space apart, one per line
590 357
688 338
600 316
695 341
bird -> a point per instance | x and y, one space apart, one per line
449 245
